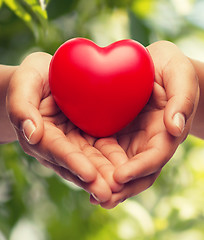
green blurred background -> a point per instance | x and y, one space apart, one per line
35 204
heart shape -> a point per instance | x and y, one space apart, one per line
101 90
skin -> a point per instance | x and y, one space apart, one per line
7 131
56 142
117 167
197 126
152 138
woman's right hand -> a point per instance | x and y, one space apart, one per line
46 134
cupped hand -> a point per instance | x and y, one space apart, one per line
134 157
46 134
153 137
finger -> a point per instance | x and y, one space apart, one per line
58 149
131 189
110 148
24 95
137 143
181 84
101 163
62 172
149 161
98 189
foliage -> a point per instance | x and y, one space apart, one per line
34 202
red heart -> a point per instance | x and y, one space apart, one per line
101 90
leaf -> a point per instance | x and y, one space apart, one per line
32 13
38 7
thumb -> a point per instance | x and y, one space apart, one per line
177 112
182 94
24 96
23 99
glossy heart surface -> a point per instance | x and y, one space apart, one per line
101 90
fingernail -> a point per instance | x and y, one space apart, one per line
94 196
179 121
81 178
123 200
28 129
120 201
129 179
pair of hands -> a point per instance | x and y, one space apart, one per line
118 167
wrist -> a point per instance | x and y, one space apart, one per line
197 125
7 131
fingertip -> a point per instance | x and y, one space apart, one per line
100 198
26 119
30 132
112 203
175 123
87 174
117 187
107 172
122 175
100 190
29 124
179 124
179 109
108 206
175 115
114 185
93 200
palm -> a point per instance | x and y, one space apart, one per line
147 144
146 139
61 134
137 152
145 132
